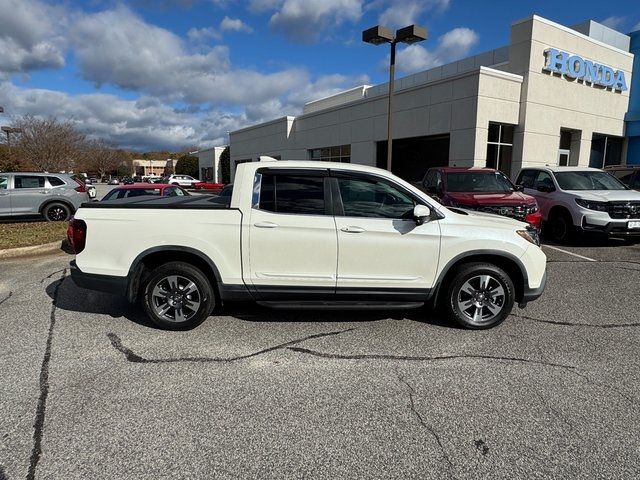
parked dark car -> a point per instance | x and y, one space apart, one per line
482 189
627 174
128 181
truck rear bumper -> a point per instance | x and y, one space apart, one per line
102 283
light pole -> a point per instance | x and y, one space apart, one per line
378 35
9 131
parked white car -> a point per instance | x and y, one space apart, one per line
182 180
582 199
308 235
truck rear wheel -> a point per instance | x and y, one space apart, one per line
480 296
178 296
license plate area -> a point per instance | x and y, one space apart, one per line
633 225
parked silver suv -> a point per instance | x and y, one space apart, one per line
54 196
582 199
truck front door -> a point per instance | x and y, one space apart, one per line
293 246
381 249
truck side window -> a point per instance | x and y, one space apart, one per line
373 198
294 194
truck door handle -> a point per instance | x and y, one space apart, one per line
352 229
265 225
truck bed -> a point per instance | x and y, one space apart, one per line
194 202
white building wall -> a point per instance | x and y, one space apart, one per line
210 158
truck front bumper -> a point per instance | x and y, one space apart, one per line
101 283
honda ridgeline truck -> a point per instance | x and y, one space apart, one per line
307 235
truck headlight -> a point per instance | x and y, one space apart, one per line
591 205
530 235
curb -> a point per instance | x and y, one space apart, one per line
52 247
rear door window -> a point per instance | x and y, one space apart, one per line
4 183
292 193
23 181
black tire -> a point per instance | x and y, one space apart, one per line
560 227
161 293
56 212
494 300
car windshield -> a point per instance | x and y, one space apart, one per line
478 182
588 181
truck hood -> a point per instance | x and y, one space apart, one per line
486 218
607 195
480 198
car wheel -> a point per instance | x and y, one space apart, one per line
56 212
178 296
560 227
480 296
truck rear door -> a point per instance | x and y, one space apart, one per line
293 246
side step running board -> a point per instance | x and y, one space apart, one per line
341 305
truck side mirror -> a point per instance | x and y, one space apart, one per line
519 188
421 214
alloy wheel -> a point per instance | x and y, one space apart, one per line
481 298
176 298
57 214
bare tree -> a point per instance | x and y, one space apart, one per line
48 144
99 156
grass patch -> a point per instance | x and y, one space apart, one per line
14 235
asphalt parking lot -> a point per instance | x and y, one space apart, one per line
90 390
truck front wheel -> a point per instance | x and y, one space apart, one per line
178 296
480 296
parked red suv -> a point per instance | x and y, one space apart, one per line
482 189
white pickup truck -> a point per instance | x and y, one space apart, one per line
307 235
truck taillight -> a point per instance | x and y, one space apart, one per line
81 186
77 234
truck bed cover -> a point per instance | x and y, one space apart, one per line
194 202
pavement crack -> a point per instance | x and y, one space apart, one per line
408 358
6 298
613 388
423 423
571 324
38 425
52 274
132 357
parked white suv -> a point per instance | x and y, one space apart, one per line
308 235
182 180
582 199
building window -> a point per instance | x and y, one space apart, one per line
500 147
605 151
341 154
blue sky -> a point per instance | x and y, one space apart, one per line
172 74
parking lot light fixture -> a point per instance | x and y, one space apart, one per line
377 36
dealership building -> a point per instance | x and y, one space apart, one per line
555 95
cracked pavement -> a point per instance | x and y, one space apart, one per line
90 390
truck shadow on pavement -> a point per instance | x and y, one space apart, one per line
72 298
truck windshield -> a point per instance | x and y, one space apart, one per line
478 182
588 181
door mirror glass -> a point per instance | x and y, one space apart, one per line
421 213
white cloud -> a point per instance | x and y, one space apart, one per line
452 46
400 13
305 20
29 40
202 35
614 22
234 25
636 27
